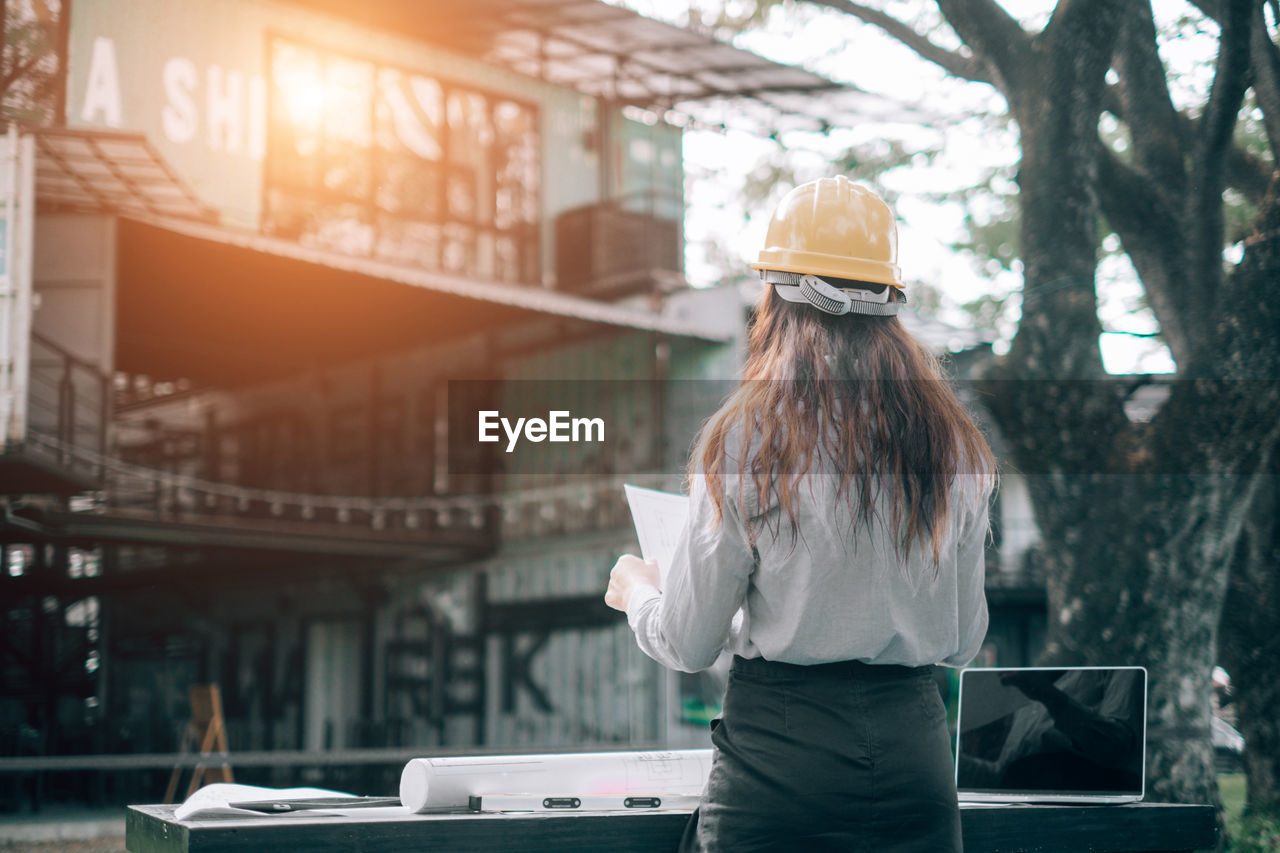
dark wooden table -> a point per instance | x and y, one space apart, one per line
987 829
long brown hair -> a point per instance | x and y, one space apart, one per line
860 390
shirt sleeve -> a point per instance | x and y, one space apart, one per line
685 626
971 594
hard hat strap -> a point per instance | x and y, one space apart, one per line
861 299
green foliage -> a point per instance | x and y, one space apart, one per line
986 311
1251 133
1250 138
871 161
993 241
1241 215
29 72
742 16
1248 833
1257 834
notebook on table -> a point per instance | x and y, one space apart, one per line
1041 735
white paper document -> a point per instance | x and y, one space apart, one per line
216 800
432 783
659 518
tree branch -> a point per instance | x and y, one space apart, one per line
1073 14
1204 213
964 67
1245 172
1265 59
992 34
1144 98
1231 78
1150 335
1248 174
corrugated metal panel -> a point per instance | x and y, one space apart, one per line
604 692
577 566
109 171
603 688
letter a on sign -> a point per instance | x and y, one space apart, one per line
102 91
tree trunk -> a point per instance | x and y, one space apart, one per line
1135 576
1251 647
1134 526
1251 614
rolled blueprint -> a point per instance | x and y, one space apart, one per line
428 783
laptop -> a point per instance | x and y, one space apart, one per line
1042 735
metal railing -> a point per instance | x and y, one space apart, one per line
69 401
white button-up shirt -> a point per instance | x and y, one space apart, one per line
839 592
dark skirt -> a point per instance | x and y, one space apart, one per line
844 756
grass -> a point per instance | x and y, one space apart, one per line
1248 834
1231 789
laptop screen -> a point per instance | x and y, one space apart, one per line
1033 733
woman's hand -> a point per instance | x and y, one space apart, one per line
629 572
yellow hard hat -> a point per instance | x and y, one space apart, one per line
828 240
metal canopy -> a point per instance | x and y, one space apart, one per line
100 170
618 55
523 298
